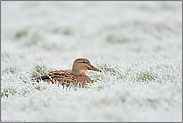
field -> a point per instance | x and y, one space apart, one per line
137 45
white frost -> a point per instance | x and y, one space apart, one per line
138 46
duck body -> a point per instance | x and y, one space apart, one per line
64 77
70 77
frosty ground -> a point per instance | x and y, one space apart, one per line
137 45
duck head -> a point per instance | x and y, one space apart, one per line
80 65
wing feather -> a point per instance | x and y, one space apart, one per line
64 77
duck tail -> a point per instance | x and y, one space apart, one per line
39 78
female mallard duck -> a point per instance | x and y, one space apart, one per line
74 76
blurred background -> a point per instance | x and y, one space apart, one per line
110 30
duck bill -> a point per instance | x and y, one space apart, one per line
94 68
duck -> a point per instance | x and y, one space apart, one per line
67 78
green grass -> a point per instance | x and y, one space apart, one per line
32 39
21 33
41 69
67 31
8 91
145 76
111 38
4 93
110 69
10 70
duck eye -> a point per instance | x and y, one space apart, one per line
83 62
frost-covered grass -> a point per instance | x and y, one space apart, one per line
137 45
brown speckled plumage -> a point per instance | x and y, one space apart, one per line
66 77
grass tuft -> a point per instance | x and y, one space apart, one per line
116 39
8 91
21 33
146 76
40 69
67 31
4 93
108 68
